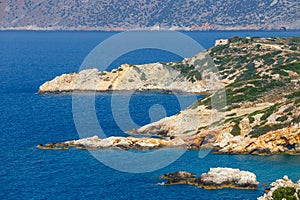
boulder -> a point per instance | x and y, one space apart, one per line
177 178
228 178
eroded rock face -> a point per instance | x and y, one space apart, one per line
285 140
124 143
214 179
187 125
280 183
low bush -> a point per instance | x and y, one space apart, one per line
287 193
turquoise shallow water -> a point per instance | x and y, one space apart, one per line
27 119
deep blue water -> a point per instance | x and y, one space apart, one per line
27 59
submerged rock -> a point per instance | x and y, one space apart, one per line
214 179
282 189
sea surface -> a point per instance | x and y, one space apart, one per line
28 59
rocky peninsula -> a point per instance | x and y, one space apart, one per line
169 77
260 78
216 178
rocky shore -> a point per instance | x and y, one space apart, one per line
282 189
216 178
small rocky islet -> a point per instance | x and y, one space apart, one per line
216 178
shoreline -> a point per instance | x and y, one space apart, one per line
146 143
71 92
119 31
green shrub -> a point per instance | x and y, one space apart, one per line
284 192
295 67
269 112
263 129
251 119
294 39
296 120
289 109
234 39
236 130
293 95
282 118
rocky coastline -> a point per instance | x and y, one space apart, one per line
261 109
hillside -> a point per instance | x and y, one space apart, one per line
141 14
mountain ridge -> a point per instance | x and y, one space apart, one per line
117 15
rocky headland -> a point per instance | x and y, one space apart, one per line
257 83
216 178
168 77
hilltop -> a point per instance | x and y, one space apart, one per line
139 14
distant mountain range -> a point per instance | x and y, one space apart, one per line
149 14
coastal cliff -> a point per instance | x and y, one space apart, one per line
260 107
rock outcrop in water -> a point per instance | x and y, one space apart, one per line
282 189
216 178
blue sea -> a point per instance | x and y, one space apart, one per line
28 59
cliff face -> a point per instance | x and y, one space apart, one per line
262 111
